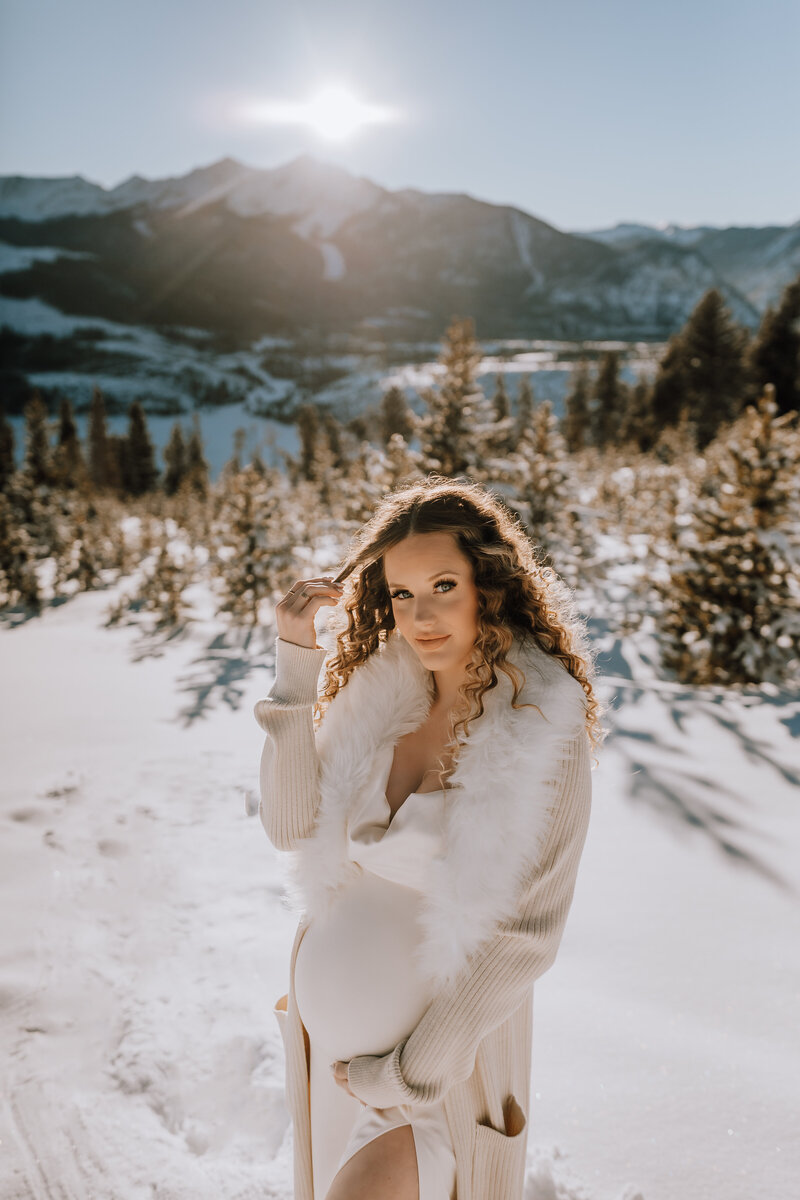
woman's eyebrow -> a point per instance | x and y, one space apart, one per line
443 571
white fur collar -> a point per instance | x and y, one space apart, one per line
503 787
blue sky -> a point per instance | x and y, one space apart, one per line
581 113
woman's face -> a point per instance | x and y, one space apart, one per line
433 595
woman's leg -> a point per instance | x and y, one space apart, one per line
384 1169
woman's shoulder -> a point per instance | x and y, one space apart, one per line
549 684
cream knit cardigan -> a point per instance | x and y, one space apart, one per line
518 818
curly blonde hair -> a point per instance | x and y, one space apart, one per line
517 594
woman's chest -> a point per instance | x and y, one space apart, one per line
418 759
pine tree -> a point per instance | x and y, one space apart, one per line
254 537
324 472
576 427
308 429
609 400
446 430
774 356
703 369
38 458
117 468
197 470
101 470
525 406
174 460
88 563
333 432
234 465
500 403
501 435
395 416
403 463
69 467
638 422
544 491
731 605
141 473
7 463
162 586
19 582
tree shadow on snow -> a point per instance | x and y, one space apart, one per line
681 790
217 676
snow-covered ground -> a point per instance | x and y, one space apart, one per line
145 942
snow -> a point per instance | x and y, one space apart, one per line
35 317
522 232
20 258
146 941
322 195
41 198
334 265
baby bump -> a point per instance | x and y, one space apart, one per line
356 986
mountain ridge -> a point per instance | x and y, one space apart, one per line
276 249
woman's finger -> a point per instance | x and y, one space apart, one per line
339 1070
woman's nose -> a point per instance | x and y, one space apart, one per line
423 613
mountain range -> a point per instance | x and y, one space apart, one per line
308 246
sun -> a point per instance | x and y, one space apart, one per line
334 113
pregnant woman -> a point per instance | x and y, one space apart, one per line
434 798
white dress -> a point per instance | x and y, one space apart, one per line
358 991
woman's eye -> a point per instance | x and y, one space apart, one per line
397 594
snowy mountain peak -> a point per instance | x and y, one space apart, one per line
40 198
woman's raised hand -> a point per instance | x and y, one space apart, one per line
294 614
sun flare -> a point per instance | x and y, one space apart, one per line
334 113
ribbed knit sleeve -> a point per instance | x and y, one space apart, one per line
289 771
440 1052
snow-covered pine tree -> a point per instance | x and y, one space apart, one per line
704 369
576 427
396 416
19 582
774 355
731 604
447 428
38 456
501 434
351 500
501 405
525 405
541 492
161 588
253 538
403 464
88 564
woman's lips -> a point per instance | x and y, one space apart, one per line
431 643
